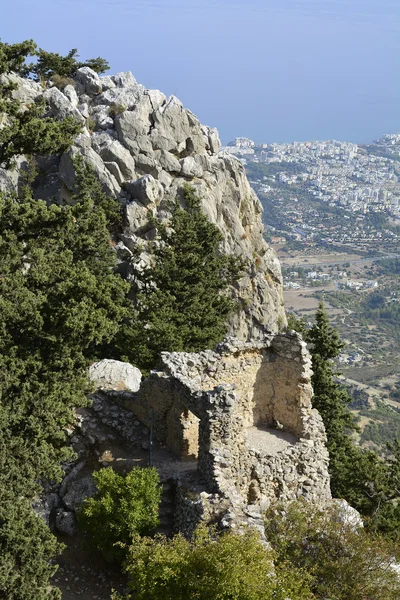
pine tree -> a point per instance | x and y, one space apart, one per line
183 302
26 130
60 299
49 64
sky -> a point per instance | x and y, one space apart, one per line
270 70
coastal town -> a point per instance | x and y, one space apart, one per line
332 214
327 193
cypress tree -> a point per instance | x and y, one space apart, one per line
183 301
360 476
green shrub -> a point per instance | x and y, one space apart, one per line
49 64
60 81
344 563
116 109
123 507
90 124
231 566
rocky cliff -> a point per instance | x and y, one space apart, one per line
144 147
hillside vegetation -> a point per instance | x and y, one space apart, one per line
63 305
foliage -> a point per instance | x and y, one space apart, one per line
49 64
385 426
344 563
13 56
59 300
26 547
360 476
231 566
122 508
388 266
183 302
331 400
27 130
300 325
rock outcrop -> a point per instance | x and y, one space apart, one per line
144 147
110 374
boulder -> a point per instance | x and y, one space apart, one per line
89 80
167 161
190 168
84 110
77 491
107 83
66 522
115 171
146 189
61 106
115 152
70 93
137 217
214 141
115 375
124 79
67 172
157 98
125 97
135 122
102 118
346 514
26 91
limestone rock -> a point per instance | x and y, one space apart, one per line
137 218
115 375
124 79
144 149
77 491
190 168
116 171
70 93
27 90
214 141
168 161
347 515
107 83
146 190
66 522
67 174
89 80
116 152
61 105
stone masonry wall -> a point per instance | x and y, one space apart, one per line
245 413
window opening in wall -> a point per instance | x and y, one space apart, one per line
190 435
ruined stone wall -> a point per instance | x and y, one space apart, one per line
271 378
244 413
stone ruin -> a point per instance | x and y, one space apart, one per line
242 416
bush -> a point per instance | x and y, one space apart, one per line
116 109
231 566
123 507
49 64
344 563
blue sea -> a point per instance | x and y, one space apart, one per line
271 70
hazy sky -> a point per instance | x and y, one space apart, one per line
272 70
